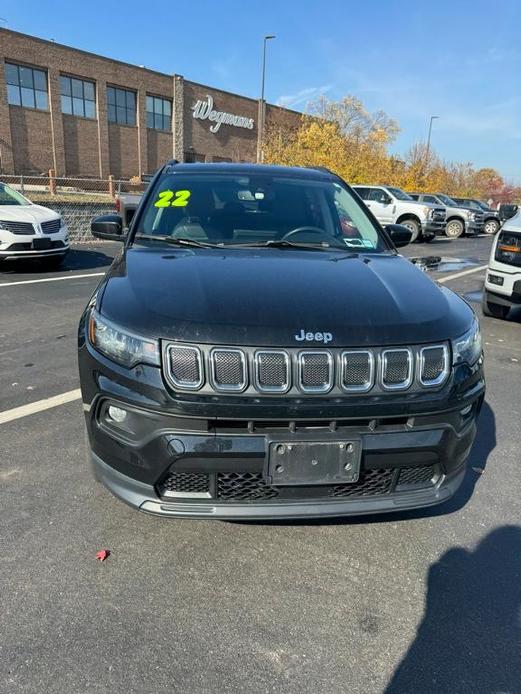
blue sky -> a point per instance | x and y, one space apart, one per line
460 60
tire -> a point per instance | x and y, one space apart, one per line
454 229
413 226
428 239
493 310
52 263
491 226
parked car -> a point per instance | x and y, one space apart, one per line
393 206
259 349
459 219
30 231
491 220
503 280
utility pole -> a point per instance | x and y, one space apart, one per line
427 152
262 107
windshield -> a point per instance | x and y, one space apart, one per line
257 209
446 200
482 205
8 196
400 194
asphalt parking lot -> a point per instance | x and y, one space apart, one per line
418 602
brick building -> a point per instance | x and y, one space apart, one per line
85 115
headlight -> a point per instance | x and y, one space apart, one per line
426 211
467 348
121 346
2 226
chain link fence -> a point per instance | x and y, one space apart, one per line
77 200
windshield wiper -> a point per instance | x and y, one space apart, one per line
284 243
189 243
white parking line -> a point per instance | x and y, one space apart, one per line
39 406
52 279
462 274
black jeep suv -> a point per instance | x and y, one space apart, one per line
260 350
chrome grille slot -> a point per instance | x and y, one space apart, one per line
397 369
185 367
357 371
228 368
434 365
51 227
316 371
272 371
22 228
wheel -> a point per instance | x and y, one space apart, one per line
493 310
414 227
428 238
454 229
491 226
53 262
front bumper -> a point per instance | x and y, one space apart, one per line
143 497
474 228
434 227
15 246
508 293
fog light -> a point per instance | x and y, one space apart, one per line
117 414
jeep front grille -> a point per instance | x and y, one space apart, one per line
253 372
272 371
357 371
228 368
434 364
316 373
184 367
397 369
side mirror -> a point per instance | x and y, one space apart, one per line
108 226
399 234
385 200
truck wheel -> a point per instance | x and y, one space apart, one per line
413 226
454 229
493 310
491 226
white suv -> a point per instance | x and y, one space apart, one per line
30 231
394 206
503 281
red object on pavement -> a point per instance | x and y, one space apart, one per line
102 554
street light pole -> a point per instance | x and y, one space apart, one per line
262 109
429 138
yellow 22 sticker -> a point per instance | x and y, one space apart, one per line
169 198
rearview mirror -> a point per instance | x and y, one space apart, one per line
400 235
108 226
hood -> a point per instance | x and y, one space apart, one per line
430 205
35 214
266 297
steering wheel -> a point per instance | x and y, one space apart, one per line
298 230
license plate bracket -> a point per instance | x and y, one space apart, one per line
313 462
41 244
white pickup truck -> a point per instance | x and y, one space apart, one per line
394 206
502 288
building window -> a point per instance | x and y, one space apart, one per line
121 106
26 86
159 113
77 97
